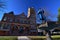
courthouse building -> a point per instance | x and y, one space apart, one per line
19 24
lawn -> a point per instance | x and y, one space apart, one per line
55 37
8 37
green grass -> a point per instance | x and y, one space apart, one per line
55 37
8 38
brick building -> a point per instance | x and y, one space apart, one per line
19 24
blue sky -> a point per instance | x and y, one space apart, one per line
19 6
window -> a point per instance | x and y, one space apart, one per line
27 22
15 27
22 16
33 27
6 26
33 30
0 26
24 22
21 21
16 20
11 20
21 29
5 18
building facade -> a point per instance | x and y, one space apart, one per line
19 24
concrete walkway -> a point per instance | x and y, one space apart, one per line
23 38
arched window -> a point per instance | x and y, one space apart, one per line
21 29
15 27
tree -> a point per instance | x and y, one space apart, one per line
59 15
2 5
44 27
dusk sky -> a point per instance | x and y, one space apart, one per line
19 6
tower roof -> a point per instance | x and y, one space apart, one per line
11 12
